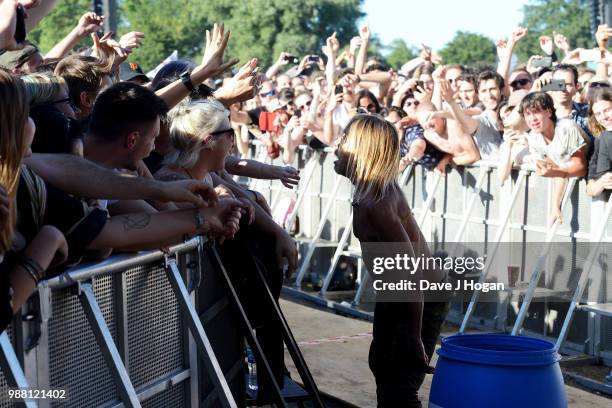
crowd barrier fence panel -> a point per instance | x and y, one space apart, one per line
113 334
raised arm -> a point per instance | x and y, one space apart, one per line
88 23
212 64
364 33
504 52
469 124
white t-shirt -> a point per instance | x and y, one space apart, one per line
567 140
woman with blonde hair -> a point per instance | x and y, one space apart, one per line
405 328
21 268
202 136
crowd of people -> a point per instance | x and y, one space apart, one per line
162 151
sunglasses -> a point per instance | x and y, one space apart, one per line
231 132
65 100
599 85
371 107
519 83
304 105
410 103
266 94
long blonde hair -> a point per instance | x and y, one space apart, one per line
13 119
372 146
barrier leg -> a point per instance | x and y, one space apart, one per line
311 166
199 335
539 267
315 239
430 198
107 346
339 249
291 344
249 332
12 369
362 285
491 256
584 276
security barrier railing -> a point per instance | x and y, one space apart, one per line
124 332
469 205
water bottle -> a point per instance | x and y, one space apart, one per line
252 378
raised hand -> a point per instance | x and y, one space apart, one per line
89 23
502 48
8 24
602 35
216 43
364 33
446 91
241 87
355 44
131 41
546 44
518 34
561 42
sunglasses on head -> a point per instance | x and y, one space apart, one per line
519 83
265 94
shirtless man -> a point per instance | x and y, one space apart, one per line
405 332
445 131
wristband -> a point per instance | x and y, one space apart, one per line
199 220
32 267
186 80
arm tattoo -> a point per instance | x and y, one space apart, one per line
134 221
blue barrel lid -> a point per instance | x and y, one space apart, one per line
499 349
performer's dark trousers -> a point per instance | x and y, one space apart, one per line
392 355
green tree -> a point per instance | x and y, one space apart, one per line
167 25
58 23
399 53
469 49
259 28
568 17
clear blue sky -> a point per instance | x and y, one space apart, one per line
435 22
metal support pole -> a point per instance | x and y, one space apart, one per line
107 346
362 285
310 168
315 239
226 399
430 198
339 249
11 368
491 256
539 267
584 276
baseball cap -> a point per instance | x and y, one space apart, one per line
130 71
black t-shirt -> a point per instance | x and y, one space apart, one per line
154 162
40 203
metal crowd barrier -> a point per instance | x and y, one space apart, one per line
127 332
470 206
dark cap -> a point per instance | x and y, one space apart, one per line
15 59
130 71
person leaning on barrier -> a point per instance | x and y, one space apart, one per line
201 134
558 147
600 122
19 274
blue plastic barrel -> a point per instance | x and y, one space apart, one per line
496 370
